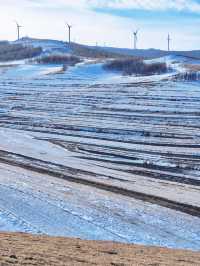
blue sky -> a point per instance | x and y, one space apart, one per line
106 21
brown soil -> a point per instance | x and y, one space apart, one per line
23 249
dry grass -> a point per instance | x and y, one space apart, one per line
22 249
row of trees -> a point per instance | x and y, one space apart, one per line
10 52
59 59
136 66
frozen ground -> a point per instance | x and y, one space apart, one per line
104 136
41 204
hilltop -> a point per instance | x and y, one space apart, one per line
49 46
27 48
55 46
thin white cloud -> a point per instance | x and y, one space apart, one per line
58 3
179 5
159 5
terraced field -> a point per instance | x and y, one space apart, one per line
133 145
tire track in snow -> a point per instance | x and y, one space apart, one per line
44 167
30 228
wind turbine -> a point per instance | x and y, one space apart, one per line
69 30
135 33
168 41
18 30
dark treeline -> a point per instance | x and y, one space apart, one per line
59 59
136 67
10 52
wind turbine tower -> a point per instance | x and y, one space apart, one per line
18 30
69 30
168 42
135 33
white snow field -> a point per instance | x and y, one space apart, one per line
39 203
91 154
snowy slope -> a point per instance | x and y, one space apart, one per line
37 203
175 62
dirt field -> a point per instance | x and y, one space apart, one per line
22 249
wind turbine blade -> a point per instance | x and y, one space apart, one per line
68 25
16 23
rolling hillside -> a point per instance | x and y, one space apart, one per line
49 46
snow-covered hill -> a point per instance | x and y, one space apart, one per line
47 45
91 69
56 46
